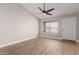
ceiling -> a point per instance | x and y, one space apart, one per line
60 8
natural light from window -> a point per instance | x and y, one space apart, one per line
51 27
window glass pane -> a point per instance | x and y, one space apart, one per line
48 27
51 27
54 27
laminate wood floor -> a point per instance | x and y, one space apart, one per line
41 46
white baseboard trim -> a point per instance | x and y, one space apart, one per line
58 38
29 38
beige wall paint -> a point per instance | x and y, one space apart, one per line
16 24
60 18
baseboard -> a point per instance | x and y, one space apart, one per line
29 38
58 38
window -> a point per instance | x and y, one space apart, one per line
51 27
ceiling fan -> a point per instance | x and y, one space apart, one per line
44 11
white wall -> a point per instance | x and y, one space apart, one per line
78 28
16 24
69 26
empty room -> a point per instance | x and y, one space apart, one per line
39 28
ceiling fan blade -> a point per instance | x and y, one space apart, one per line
50 10
40 9
48 14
